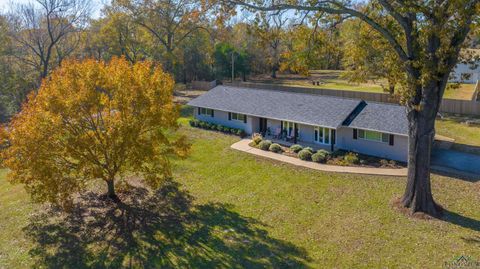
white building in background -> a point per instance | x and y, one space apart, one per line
467 69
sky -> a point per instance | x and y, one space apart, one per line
5 4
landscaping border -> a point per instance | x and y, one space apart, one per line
243 145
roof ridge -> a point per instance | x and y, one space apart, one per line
311 94
290 92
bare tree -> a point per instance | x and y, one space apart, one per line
46 31
428 46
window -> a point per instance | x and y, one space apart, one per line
373 136
322 135
288 127
205 111
239 117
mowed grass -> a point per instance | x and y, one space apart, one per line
335 80
462 92
15 210
337 220
467 138
343 221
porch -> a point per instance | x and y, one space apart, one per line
288 142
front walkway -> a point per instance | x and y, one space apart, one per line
242 145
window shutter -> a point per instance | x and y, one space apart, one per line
199 112
229 115
391 140
333 137
316 135
354 133
244 118
281 126
212 113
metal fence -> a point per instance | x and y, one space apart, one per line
468 107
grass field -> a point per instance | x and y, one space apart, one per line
257 213
467 138
332 79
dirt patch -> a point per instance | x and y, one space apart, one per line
398 206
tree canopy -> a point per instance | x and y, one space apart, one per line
94 120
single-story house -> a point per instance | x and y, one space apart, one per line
319 121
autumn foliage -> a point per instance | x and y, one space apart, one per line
94 120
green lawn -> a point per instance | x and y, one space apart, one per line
333 80
272 215
467 138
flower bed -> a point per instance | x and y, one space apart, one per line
338 157
216 127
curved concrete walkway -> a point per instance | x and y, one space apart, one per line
242 145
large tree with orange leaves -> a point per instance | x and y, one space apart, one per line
94 120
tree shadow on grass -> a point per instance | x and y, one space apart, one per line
155 230
460 220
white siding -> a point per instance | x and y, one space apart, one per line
399 150
221 117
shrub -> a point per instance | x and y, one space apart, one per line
257 138
241 133
296 148
194 122
320 156
219 128
351 158
309 149
275 148
305 155
265 144
383 162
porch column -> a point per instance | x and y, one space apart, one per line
295 133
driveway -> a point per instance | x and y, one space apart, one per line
456 160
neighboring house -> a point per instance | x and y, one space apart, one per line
314 120
467 69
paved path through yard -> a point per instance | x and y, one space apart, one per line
242 145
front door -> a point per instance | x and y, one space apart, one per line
263 126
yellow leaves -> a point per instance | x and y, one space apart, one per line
92 119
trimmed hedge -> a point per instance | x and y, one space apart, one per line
265 145
309 149
275 148
257 139
305 155
320 156
216 127
296 148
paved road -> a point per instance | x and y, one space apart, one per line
456 160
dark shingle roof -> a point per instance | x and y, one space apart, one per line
302 108
386 118
309 109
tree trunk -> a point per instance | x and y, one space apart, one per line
274 73
111 190
418 194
